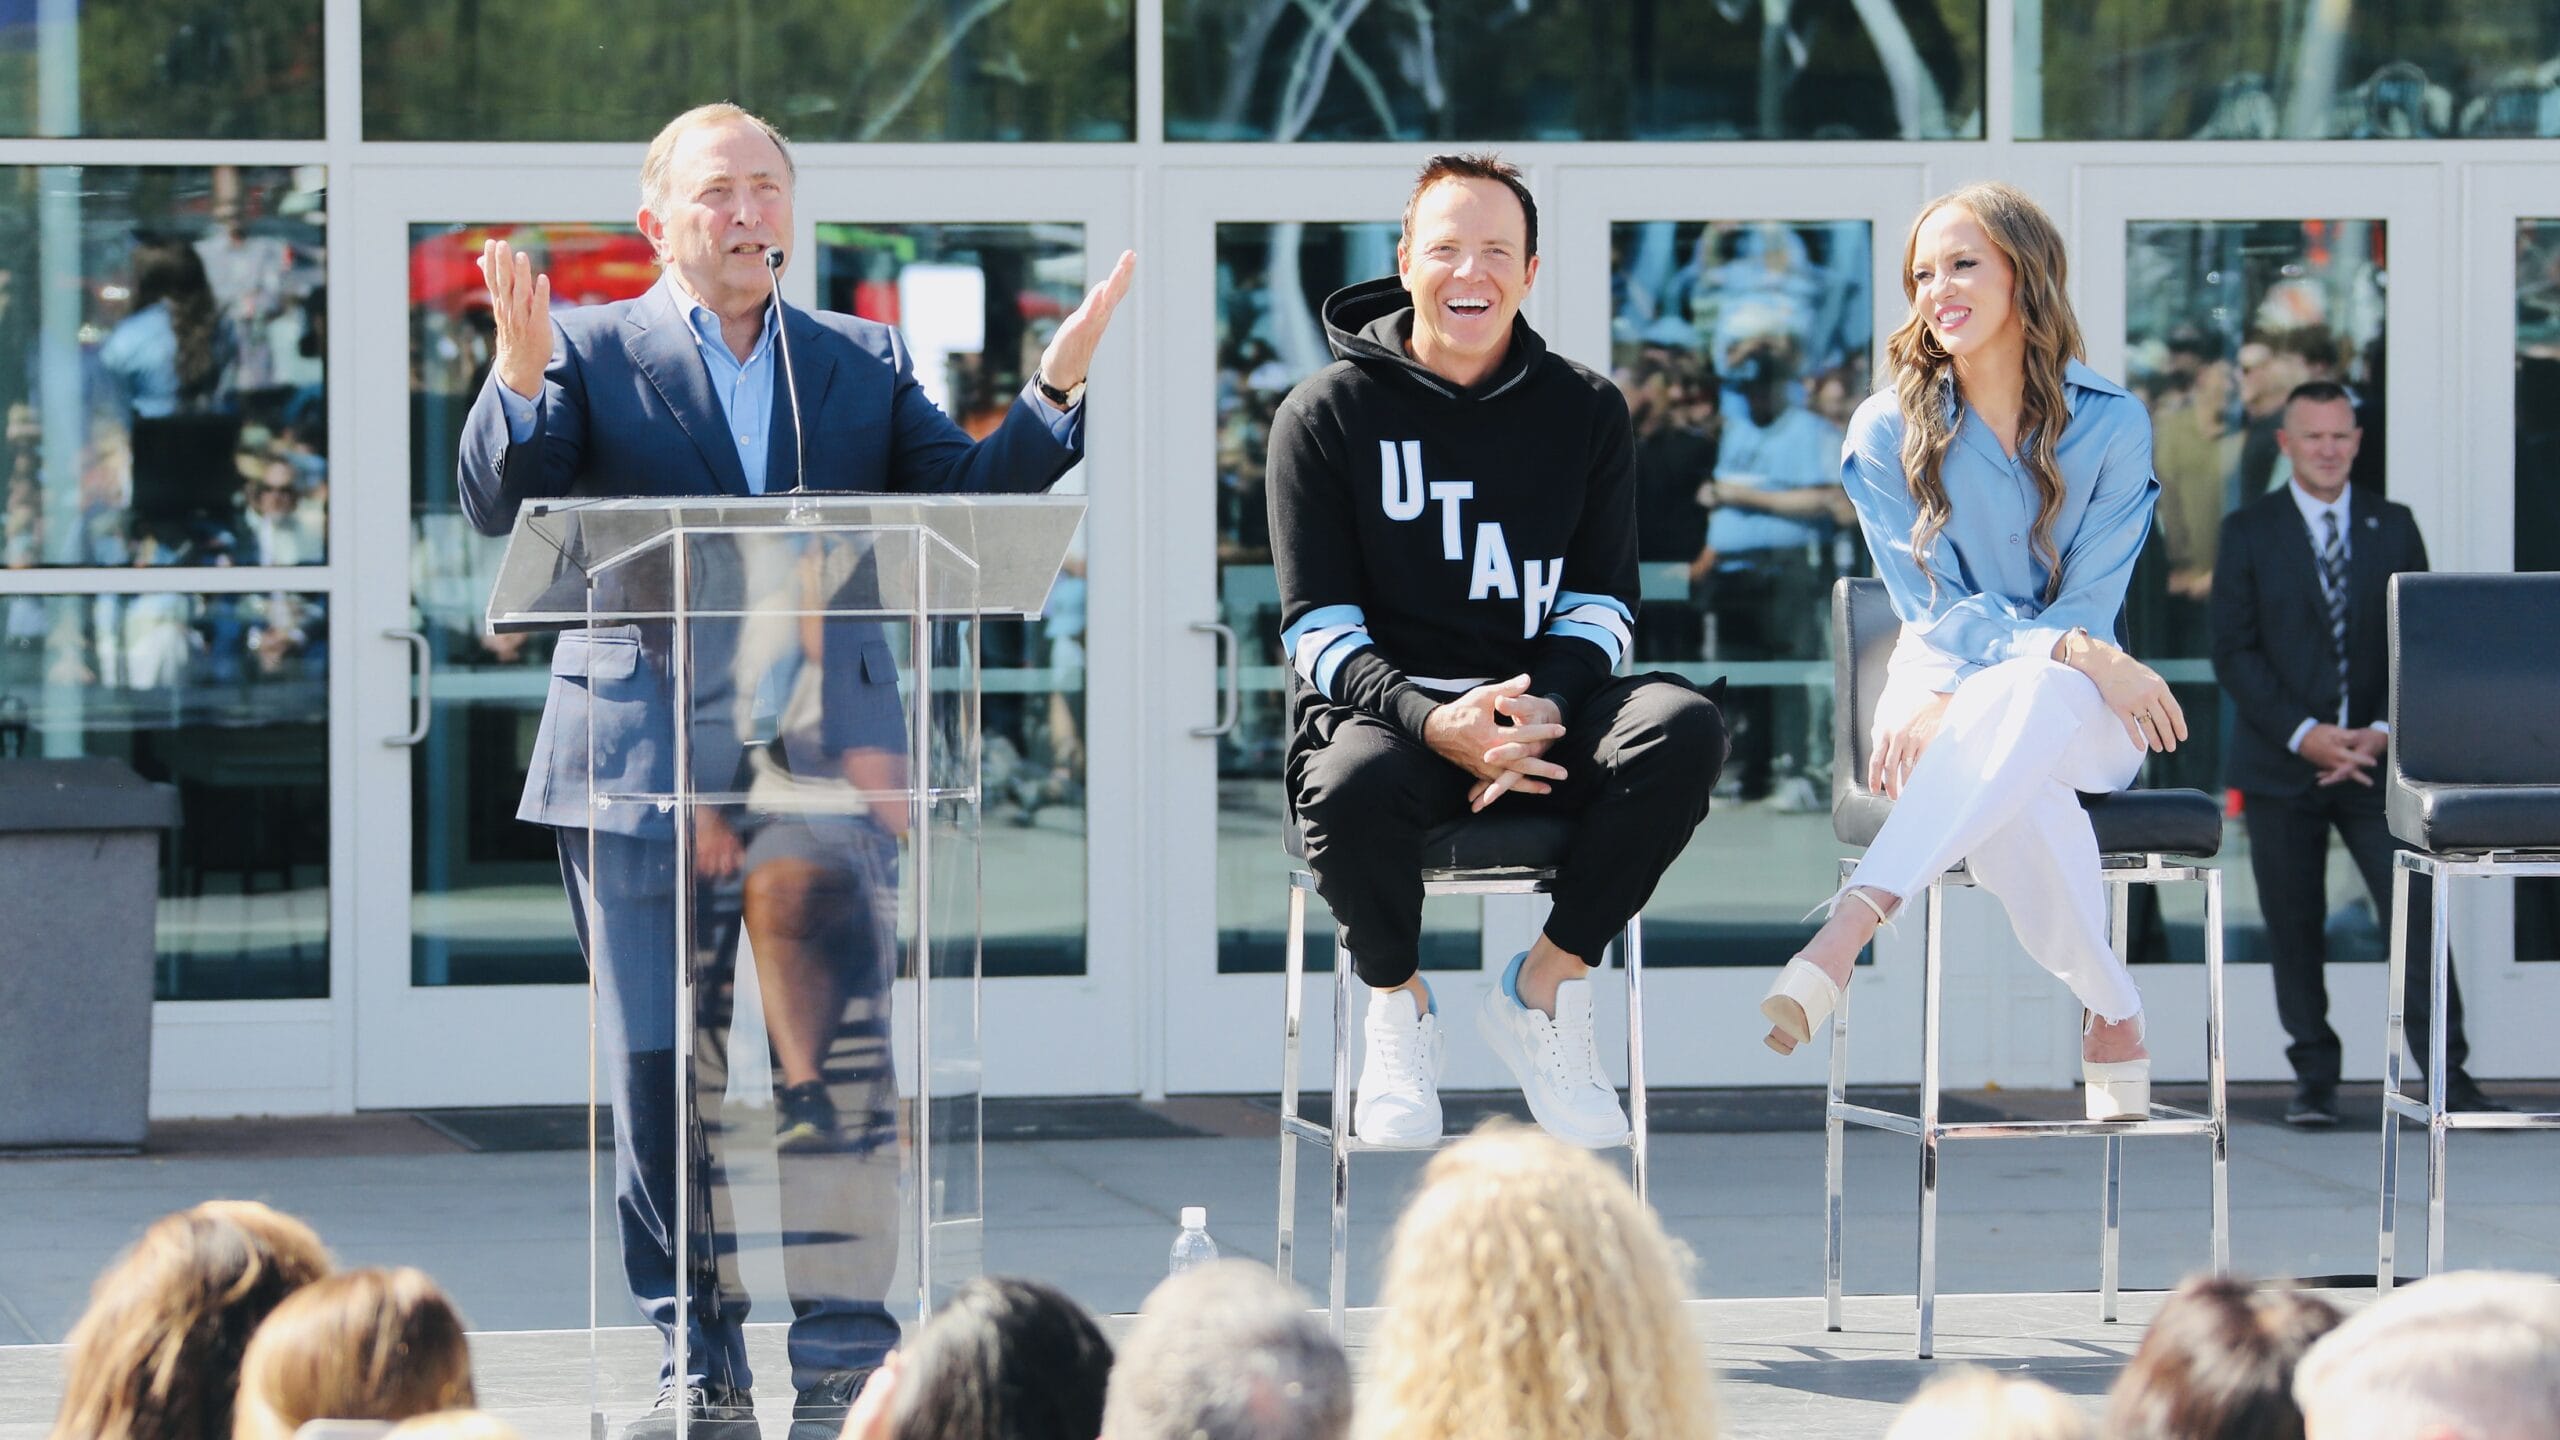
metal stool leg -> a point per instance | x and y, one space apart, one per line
2111 1182
1833 1213
1293 970
1338 1260
2439 987
2395 972
1639 1137
2217 1106
1934 950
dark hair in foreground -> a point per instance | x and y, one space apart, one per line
2218 1362
1480 166
1003 1360
157 1354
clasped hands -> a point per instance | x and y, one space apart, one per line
1469 733
2344 755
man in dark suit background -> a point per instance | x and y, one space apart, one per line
2298 640
680 392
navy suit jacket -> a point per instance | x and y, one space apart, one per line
627 409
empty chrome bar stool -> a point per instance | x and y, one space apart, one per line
2138 832
1475 855
2475 794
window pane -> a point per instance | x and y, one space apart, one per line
1271 281
162 345
2538 492
2224 318
152 69
227 698
1580 70
2280 69
819 69
977 304
485 905
1743 348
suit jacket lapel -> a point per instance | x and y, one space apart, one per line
662 345
2298 551
2368 565
815 363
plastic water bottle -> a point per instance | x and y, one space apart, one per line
1193 1246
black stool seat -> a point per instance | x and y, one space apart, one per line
1492 841
2129 822
2444 817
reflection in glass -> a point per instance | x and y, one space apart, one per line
227 698
2279 69
162 69
977 304
485 888
1271 281
855 70
1826 70
2538 492
2223 319
163 333
1743 348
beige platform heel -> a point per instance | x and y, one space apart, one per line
2118 1089
1802 997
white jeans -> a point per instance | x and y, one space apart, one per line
1997 789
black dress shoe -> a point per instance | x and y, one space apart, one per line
2312 1108
2465 1094
819 1412
719 1414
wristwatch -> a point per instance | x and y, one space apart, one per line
1064 399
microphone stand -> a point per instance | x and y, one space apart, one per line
800 513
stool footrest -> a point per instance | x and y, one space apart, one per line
2409 1108
2165 1120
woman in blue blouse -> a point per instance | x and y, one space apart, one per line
2005 489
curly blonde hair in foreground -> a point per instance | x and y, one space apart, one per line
1529 1293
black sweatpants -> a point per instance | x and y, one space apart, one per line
2289 853
1640 757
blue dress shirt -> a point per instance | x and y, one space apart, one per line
1795 450
1988 605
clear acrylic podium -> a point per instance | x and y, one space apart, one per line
772 704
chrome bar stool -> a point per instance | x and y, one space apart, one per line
1474 855
2475 794
2137 833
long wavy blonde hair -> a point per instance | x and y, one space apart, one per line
1529 1293
1924 377
157 1354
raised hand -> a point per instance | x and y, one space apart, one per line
1069 357
521 301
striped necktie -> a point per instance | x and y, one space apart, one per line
2333 579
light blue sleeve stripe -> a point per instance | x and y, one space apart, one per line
1570 598
1607 642
1330 662
1323 617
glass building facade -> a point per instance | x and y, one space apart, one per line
231 552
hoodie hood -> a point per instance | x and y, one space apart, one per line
1369 324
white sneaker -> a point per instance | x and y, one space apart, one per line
1557 1063
1399 1096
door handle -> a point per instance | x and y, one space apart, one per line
422 712
1230 695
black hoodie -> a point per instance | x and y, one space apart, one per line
1430 538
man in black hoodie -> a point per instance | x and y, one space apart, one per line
1453 522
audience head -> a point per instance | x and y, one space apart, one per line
364 1345
157 1354
2318 432
1228 1351
1001 1360
1971 1403
2218 1365
1529 1292
2468 1356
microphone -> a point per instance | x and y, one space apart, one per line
790 377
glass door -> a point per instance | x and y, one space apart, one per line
470 955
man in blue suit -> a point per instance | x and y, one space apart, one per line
680 392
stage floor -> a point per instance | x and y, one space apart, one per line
1738 1183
